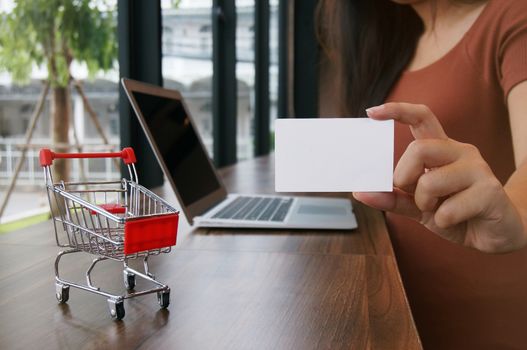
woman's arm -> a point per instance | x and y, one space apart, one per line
516 186
448 187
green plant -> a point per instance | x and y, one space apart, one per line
54 33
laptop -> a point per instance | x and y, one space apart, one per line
202 195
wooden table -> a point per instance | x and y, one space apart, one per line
230 289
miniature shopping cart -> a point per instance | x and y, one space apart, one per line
117 220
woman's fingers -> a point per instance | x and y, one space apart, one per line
447 186
423 123
467 204
397 202
420 156
435 185
433 167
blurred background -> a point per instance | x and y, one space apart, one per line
239 64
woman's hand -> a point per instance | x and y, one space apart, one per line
447 186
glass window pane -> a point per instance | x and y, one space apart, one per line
245 78
85 48
245 44
187 58
273 62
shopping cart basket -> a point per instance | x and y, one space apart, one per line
117 220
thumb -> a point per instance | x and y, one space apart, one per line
398 202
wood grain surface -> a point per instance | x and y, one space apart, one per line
230 289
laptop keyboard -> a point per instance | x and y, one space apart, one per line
256 209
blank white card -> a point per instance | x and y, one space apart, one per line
333 155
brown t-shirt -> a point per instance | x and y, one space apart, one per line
463 299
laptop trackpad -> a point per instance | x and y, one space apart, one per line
312 209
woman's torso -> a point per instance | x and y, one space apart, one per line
462 298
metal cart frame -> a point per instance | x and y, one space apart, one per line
116 220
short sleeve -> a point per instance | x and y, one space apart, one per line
512 53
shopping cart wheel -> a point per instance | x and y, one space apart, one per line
116 309
62 292
163 298
129 280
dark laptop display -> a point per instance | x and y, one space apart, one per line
179 146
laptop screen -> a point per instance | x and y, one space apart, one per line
178 144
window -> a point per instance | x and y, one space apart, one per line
273 67
245 78
91 61
187 65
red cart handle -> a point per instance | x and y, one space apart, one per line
47 156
